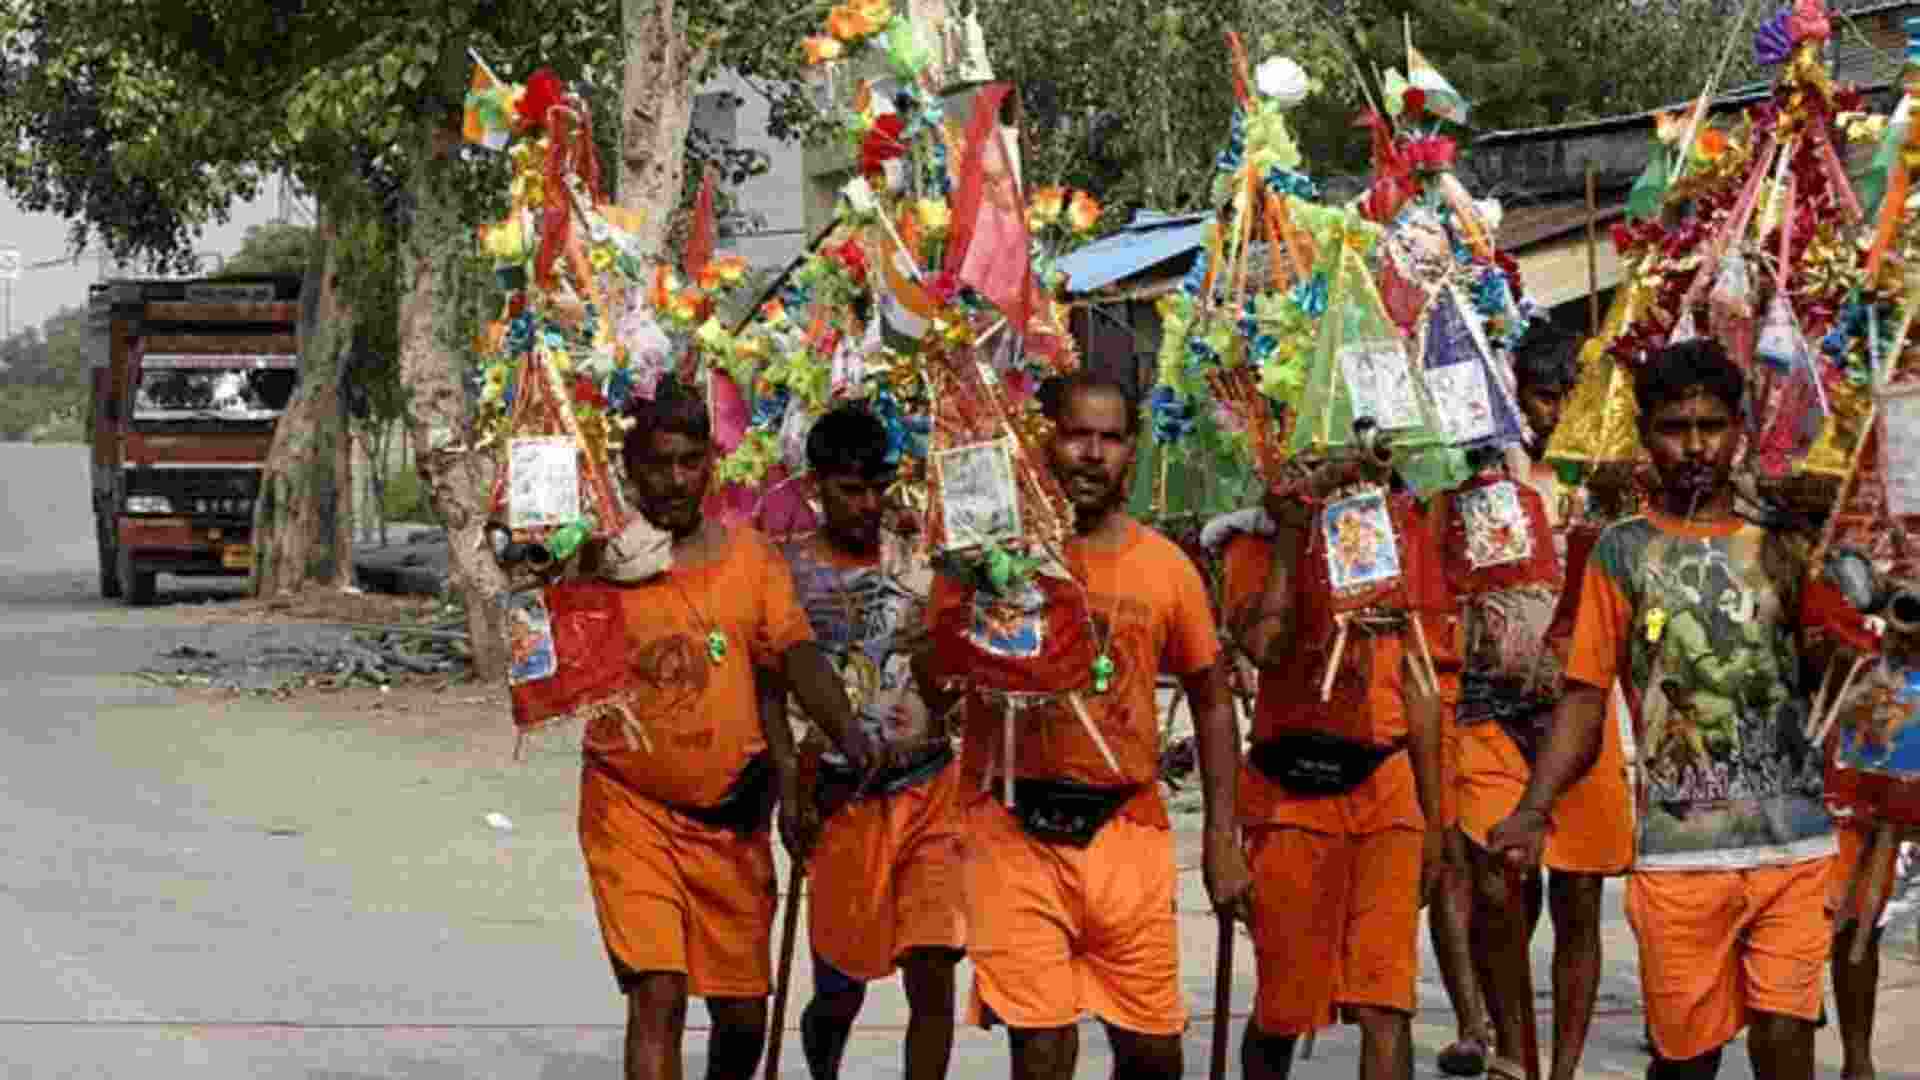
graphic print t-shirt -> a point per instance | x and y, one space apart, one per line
1699 622
868 616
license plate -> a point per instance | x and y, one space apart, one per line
237 556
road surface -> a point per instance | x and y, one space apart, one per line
238 887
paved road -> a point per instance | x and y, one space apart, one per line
229 888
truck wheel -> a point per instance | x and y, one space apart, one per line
109 564
138 585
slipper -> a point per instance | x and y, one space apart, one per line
1468 1057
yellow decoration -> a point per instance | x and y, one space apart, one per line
1597 426
1656 624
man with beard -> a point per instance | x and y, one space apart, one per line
674 819
1727 894
1592 833
1060 922
886 868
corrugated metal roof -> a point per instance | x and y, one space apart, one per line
1150 239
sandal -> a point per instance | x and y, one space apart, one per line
1467 1057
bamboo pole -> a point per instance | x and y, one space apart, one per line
1593 256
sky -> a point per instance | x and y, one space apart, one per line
40 237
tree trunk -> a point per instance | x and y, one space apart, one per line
296 536
433 359
656 109
343 518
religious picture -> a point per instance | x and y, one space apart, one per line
1879 731
529 638
543 481
978 500
1013 626
1496 524
1362 552
1380 383
1462 401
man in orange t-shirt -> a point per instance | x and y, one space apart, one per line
675 797
885 871
1061 924
1696 612
1346 848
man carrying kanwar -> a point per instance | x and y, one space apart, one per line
885 868
1070 892
1341 794
675 798
1696 611
1512 686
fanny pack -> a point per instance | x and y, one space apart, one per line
838 784
747 807
1063 812
1315 763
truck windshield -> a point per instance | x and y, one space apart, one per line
212 394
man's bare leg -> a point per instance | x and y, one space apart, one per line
656 1022
739 1034
1145 1057
1781 1047
1266 1057
1704 1067
1576 965
827 1021
928 974
1044 1053
1855 990
1450 925
1386 1043
1494 940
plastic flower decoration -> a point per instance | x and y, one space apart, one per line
1083 212
1282 82
823 49
1045 206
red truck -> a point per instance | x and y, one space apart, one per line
189 378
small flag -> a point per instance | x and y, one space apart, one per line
1442 99
906 309
988 245
701 238
485 123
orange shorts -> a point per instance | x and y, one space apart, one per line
1054 931
1853 840
1592 827
674 895
886 878
1718 945
1336 922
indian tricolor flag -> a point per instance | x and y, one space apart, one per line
486 122
1443 100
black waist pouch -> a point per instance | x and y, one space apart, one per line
747 807
838 784
1314 763
1063 812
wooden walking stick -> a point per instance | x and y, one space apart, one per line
789 927
1222 997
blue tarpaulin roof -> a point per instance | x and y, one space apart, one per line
1151 238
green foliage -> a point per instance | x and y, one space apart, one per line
1131 99
404 498
273 248
44 380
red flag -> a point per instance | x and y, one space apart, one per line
700 238
988 249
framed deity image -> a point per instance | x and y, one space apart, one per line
979 501
543 481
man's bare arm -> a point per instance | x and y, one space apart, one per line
1572 746
1266 630
812 681
1216 734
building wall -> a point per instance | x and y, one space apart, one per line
772 230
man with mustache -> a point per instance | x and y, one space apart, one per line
885 871
1592 835
1728 890
674 819
1067 919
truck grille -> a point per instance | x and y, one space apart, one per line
226 493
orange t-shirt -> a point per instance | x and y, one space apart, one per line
1150 611
701 717
1366 705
